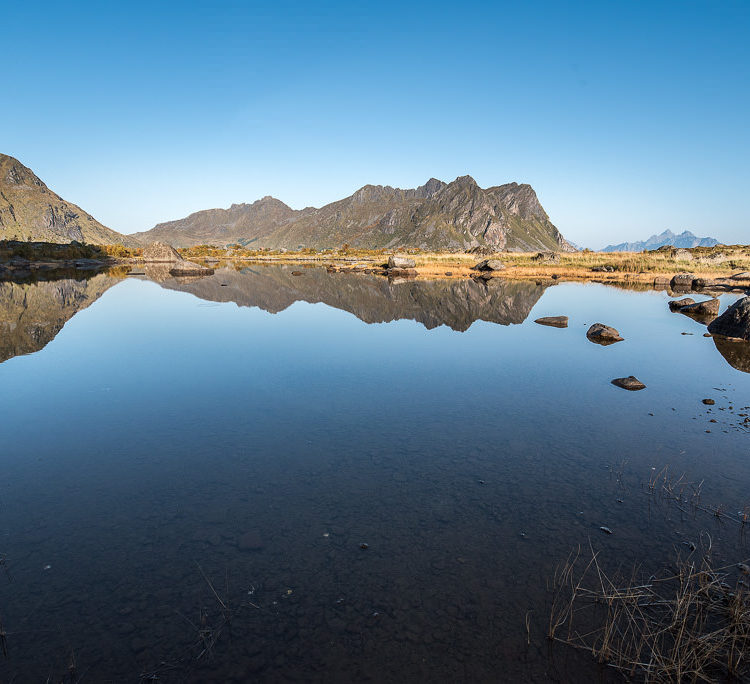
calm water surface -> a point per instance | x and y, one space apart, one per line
190 468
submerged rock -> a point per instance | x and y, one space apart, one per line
734 322
250 541
553 321
630 383
603 334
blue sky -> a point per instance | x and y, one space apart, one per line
626 117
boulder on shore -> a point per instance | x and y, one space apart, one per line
400 262
489 265
708 308
603 334
547 257
160 252
734 322
553 321
682 281
630 383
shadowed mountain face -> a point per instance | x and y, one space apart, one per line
31 314
372 299
436 215
29 210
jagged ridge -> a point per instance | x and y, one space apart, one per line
437 215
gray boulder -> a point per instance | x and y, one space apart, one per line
400 262
603 334
489 265
734 322
682 281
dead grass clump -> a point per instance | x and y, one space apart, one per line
691 623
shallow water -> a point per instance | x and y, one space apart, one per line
191 466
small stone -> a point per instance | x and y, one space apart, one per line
630 383
553 321
364 546
606 530
709 402
296 273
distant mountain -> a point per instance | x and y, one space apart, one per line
240 222
29 210
436 215
684 240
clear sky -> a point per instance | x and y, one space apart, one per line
626 117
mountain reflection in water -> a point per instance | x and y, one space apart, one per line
372 299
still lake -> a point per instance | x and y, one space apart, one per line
190 469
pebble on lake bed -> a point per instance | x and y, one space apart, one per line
606 530
630 383
709 402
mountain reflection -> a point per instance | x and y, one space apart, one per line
372 299
31 314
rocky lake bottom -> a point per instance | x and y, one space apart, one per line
334 477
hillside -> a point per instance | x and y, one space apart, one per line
437 215
29 210
684 240
223 226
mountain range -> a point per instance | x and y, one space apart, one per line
437 215
29 210
684 240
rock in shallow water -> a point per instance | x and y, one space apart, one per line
707 308
553 321
603 334
630 383
734 322
677 304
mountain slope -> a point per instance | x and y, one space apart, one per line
223 226
685 240
437 215
29 210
